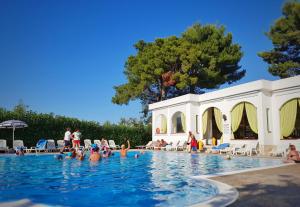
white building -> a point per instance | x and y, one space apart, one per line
263 111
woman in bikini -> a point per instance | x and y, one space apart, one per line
293 155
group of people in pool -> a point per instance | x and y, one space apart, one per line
95 153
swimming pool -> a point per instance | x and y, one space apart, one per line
154 179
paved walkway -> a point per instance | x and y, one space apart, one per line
271 187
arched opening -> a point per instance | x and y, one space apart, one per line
212 125
178 123
244 121
161 124
290 119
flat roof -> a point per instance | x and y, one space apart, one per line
250 87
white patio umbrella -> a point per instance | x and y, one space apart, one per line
13 124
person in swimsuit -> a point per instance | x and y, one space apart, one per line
293 155
71 154
95 156
123 151
194 145
189 148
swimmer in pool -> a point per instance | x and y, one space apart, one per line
20 151
80 155
95 156
71 154
123 151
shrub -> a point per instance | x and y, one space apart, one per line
50 126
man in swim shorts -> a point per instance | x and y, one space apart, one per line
67 138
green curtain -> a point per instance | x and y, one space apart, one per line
163 124
288 113
219 121
236 116
251 116
204 122
183 122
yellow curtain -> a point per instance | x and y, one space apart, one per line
251 116
183 122
218 118
204 122
236 116
219 122
163 124
288 113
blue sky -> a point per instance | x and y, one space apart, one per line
65 56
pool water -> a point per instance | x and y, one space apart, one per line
154 179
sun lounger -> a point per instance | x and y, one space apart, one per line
241 149
251 148
227 150
220 147
3 145
18 144
50 147
113 145
144 146
40 146
87 144
181 145
280 150
60 144
97 142
150 145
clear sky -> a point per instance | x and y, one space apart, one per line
65 56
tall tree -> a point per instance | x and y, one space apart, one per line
284 58
202 57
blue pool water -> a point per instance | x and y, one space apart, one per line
154 179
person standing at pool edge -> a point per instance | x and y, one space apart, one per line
123 151
67 138
76 139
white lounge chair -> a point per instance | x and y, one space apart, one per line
228 150
3 145
252 148
143 146
149 145
51 145
18 144
280 150
60 144
181 145
172 146
113 145
87 144
97 142
239 149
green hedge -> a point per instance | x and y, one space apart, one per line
50 126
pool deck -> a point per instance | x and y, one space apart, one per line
270 187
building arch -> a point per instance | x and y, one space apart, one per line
212 125
289 114
244 121
178 122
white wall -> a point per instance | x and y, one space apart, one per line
262 94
